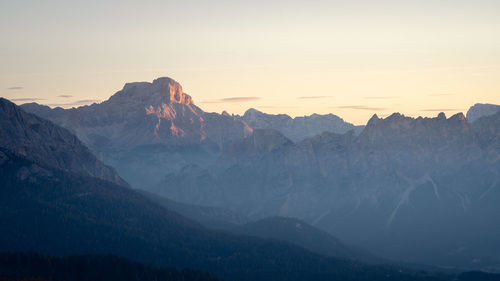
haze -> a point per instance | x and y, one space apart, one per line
350 58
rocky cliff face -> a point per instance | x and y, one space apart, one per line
45 143
144 113
298 128
481 109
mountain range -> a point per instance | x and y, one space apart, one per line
147 130
420 190
425 186
298 128
57 211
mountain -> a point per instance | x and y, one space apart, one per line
481 109
209 217
298 128
59 212
400 188
422 190
142 114
43 142
280 228
302 234
31 266
147 130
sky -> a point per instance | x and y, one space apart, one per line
350 58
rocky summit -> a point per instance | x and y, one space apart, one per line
481 109
144 113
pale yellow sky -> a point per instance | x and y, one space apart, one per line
352 58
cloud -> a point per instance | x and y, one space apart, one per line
277 106
314 97
65 96
362 107
74 104
381 98
233 100
26 99
15 88
440 95
441 109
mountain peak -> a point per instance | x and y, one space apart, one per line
252 112
459 116
479 110
373 120
161 90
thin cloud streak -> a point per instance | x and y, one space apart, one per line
74 104
440 95
441 109
26 99
15 88
313 97
381 98
65 96
277 106
362 107
233 100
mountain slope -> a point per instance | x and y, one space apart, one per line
43 142
209 217
59 213
302 234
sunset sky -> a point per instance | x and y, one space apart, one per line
350 58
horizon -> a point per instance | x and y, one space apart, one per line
349 59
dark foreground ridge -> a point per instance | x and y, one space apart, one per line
21 266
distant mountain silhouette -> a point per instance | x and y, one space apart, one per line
298 128
210 217
481 109
302 234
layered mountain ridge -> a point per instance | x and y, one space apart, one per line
56 211
404 185
148 130
298 128
401 187
43 142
